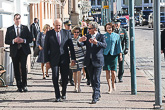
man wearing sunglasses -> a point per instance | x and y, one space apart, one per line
19 37
94 59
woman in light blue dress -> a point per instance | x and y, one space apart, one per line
40 43
111 53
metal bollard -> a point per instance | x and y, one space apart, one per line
8 65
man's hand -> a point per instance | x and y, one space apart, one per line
73 62
94 41
15 40
40 47
161 51
20 40
83 38
121 58
34 39
125 51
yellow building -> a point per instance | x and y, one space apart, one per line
48 10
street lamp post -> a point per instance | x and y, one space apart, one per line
63 4
132 47
157 56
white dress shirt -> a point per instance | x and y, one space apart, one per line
15 28
19 28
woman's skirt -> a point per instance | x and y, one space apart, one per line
110 62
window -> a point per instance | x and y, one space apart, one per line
69 7
146 1
92 2
47 11
44 11
98 2
123 1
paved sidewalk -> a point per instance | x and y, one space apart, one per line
41 94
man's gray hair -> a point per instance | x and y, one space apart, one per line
94 24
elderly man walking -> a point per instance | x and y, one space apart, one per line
56 52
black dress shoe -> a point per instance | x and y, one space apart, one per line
19 90
93 101
88 82
63 97
115 81
25 89
58 100
120 80
72 83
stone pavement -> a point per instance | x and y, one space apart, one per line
41 94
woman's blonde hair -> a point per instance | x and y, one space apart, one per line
46 26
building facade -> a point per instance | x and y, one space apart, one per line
46 10
140 5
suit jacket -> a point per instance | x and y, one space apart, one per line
113 44
33 31
55 53
11 35
163 41
124 38
95 50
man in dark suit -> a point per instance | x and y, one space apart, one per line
35 29
19 37
94 59
67 25
57 42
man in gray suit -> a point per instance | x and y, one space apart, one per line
56 52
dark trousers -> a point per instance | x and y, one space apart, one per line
70 75
19 63
95 73
34 44
87 74
121 67
64 70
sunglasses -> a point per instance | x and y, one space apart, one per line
76 32
90 28
18 18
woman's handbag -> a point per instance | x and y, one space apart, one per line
36 51
73 67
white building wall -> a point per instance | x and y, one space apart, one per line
18 6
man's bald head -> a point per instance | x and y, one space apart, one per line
57 25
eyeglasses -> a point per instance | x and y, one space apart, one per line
90 28
76 32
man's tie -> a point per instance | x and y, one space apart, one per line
17 31
58 38
18 35
92 38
